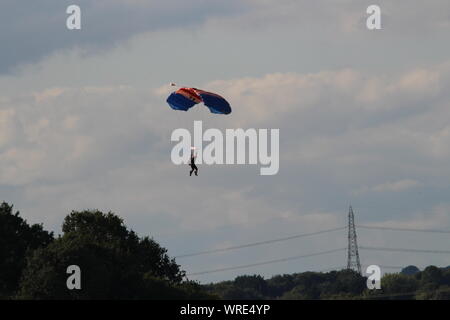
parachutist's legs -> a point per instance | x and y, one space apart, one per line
194 168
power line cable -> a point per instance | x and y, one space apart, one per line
315 254
253 244
267 262
322 253
405 250
305 235
403 229
287 259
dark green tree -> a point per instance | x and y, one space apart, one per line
280 284
431 279
306 286
410 270
431 275
17 239
254 282
398 286
115 263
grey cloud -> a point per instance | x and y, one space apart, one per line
32 30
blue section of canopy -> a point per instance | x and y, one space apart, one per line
179 102
215 103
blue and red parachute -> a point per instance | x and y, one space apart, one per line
186 98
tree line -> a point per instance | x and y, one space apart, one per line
118 264
431 283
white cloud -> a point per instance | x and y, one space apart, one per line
437 218
395 186
6 126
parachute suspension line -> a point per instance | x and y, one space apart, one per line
178 117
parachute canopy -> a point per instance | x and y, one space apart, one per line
186 98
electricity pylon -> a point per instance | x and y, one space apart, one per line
353 255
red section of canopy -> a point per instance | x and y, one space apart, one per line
190 93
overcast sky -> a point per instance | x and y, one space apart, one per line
364 119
